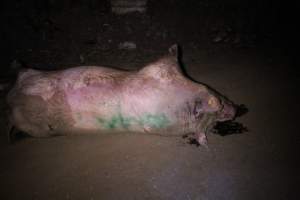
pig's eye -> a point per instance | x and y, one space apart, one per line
198 108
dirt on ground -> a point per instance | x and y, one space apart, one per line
249 68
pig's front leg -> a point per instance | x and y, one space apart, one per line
205 126
201 138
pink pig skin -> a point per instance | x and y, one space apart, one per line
156 99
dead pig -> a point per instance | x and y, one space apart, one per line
156 99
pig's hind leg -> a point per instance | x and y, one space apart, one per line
13 133
29 118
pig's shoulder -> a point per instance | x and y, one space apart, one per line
165 68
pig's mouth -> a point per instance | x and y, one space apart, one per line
211 123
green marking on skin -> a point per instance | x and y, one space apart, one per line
154 121
119 121
116 121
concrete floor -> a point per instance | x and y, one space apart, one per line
259 164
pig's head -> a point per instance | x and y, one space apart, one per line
207 100
227 110
208 109
215 105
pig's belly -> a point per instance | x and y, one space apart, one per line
104 109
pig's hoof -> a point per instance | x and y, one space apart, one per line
202 139
198 139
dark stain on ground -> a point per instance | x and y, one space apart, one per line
241 110
229 128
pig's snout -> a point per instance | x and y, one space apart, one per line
228 112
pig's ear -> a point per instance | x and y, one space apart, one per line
173 50
166 67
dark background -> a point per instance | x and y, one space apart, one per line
244 49
54 32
